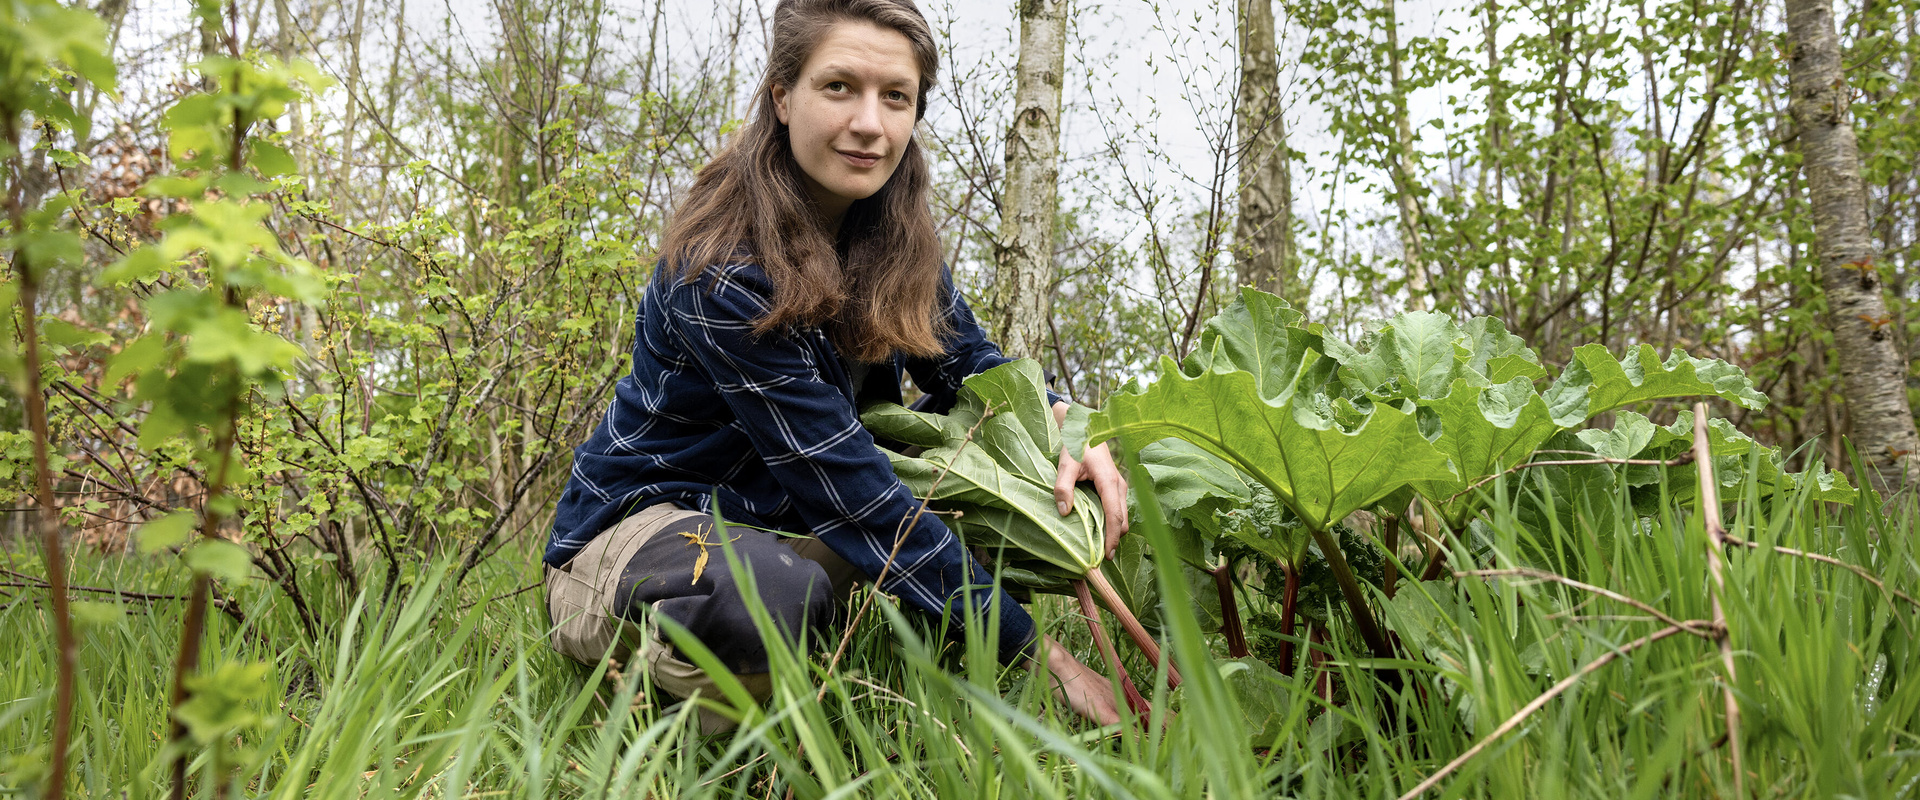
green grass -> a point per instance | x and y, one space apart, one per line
450 695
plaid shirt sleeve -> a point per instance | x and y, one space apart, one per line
806 431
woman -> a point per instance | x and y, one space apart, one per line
800 277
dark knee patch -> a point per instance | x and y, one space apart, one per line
662 573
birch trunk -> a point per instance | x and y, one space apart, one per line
354 35
1023 287
1417 279
1263 234
1874 375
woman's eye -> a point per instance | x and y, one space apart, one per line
837 86
898 96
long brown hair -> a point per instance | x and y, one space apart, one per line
876 289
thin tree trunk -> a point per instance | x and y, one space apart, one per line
1491 161
1413 254
1873 375
65 646
1263 233
1023 287
354 35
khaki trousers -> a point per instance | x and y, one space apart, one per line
580 606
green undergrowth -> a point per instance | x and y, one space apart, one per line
447 693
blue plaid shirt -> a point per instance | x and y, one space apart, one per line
767 426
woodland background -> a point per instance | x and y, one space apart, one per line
483 185
462 202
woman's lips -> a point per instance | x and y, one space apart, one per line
861 160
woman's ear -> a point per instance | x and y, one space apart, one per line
780 103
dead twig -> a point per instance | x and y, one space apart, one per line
224 604
1716 542
1855 569
515 593
1538 703
899 540
1696 627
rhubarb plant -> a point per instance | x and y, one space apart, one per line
1420 407
987 468
1272 433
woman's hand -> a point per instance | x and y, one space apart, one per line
1088 693
1098 467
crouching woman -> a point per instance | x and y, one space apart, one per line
799 278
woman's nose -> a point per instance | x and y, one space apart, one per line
866 119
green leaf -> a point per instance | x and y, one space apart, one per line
96 614
1483 432
66 334
177 185
1263 524
1184 474
1256 335
1267 705
362 452
1420 354
1425 616
1736 458
1497 355
1000 481
908 427
219 559
46 249
1073 431
240 184
229 335
138 356
1321 469
1414 356
1596 382
160 425
997 507
140 265
1631 434
1018 429
271 159
164 533
222 701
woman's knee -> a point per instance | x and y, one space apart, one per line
683 573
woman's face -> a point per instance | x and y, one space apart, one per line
850 113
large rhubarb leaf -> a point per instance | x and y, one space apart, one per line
1483 432
1591 491
1497 355
1319 467
910 427
1257 335
1629 437
1193 485
1268 704
1736 457
1131 571
1266 526
1420 354
1413 356
1597 382
1018 431
989 466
